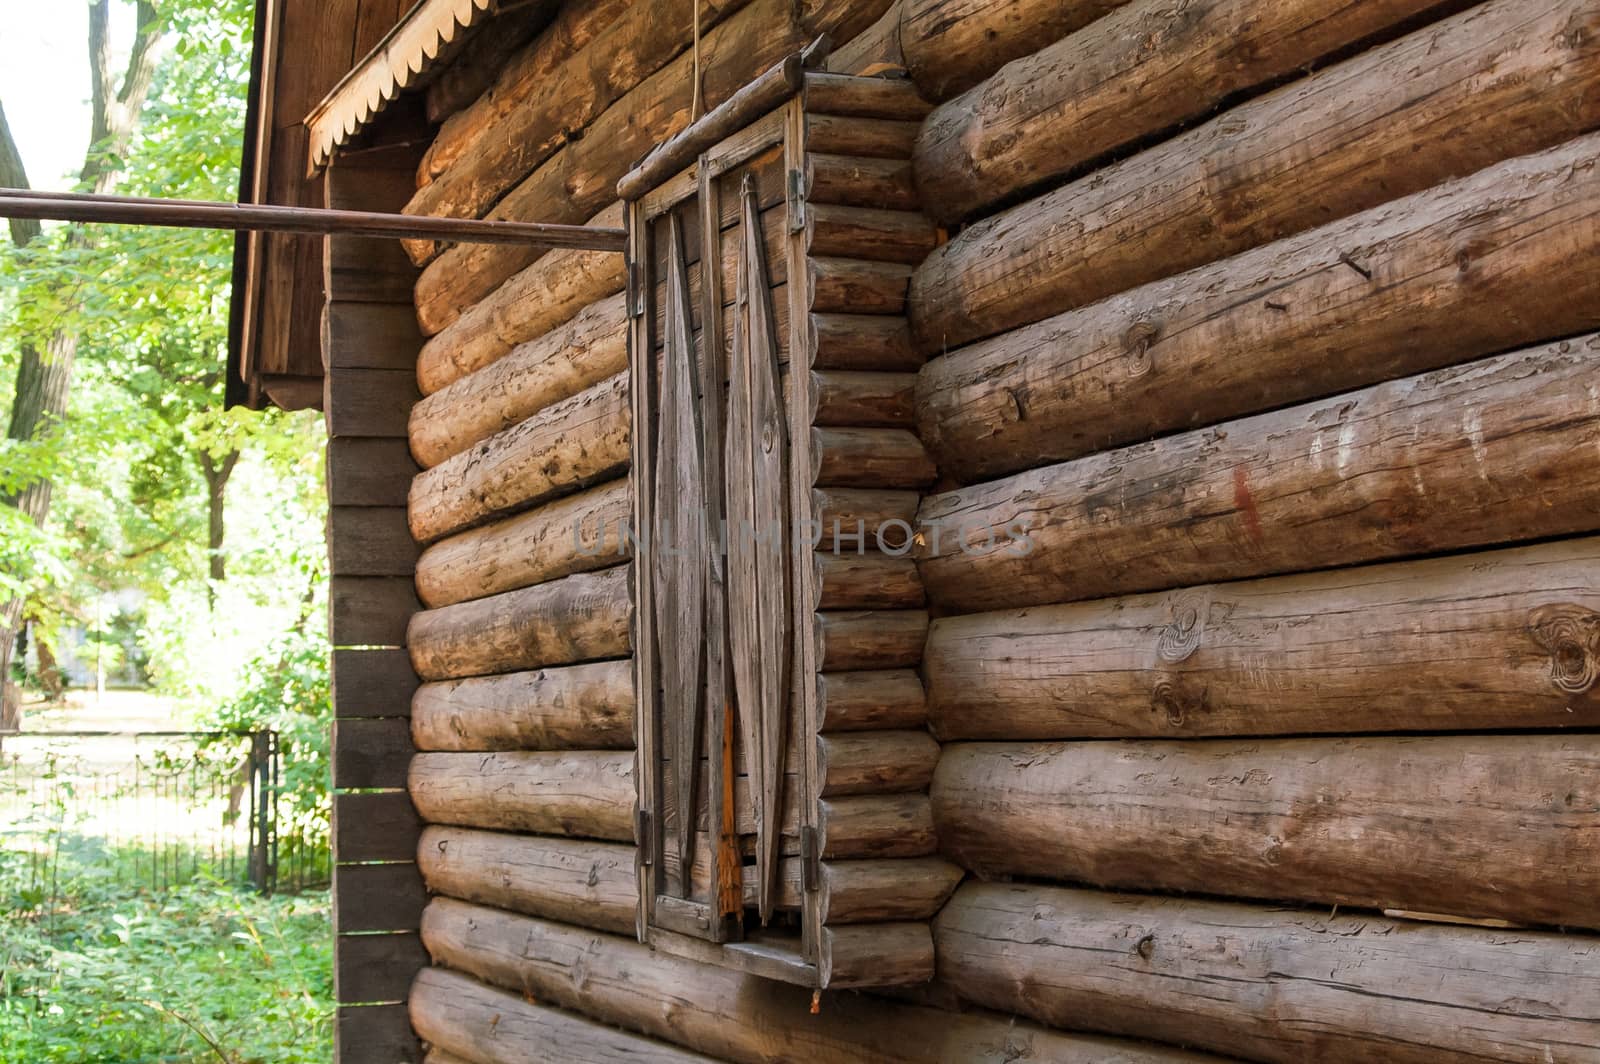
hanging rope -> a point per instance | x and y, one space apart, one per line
695 104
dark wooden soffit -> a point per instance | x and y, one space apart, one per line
302 50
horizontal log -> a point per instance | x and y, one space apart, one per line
375 969
848 579
880 762
590 884
1481 641
579 441
377 897
875 955
877 826
369 472
856 182
560 364
376 1034
1122 80
581 178
1504 78
869 458
579 533
370 541
736 1016
371 683
862 342
853 398
952 45
581 707
475 70
531 303
516 83
1458 272
887 519
1196 972
487 1026
868 233
370 611
1499 826
369 335
864 97
867 138
370 753
868 701
871 891
579 794
374 827
1485 453
368 402
870 639
850 286
583 617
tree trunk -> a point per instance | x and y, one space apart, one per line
216 474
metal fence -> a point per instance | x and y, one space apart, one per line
156 809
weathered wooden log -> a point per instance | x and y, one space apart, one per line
574 793
582 617
1504 78
560 364
850 286
1490 452
869 891
867 138
864 97
869 233
582 707
734 1015
577 442
1196 972
476 68
1135 73
546 106
517 81
896 825
854 398
1499 826
951 45
848 578
576 534
869 458
862 342
851 516
527 306
1458 272
868 701
856 182
880 762
875 955
591 884
870 639
1489 640
488 1026
581 178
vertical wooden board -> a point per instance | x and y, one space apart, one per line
372 683
376 968
369 472
369 402
377 897
370 611
370 541
371 752
375 827
375 1034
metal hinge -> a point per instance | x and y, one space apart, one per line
797 200
645 838
811 859
635 291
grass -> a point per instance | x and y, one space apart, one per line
97 969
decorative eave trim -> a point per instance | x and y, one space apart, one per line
428 34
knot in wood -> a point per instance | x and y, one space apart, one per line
1166 700
1570 634
1137 342
1181 637
1146 947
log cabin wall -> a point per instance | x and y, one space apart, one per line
1300 428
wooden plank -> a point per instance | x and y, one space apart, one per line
375 827
370 611
371 752
377 897
369 472
372 683
1501 826
374 1034
1195 971
376 969
370 541
370 335
369 402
